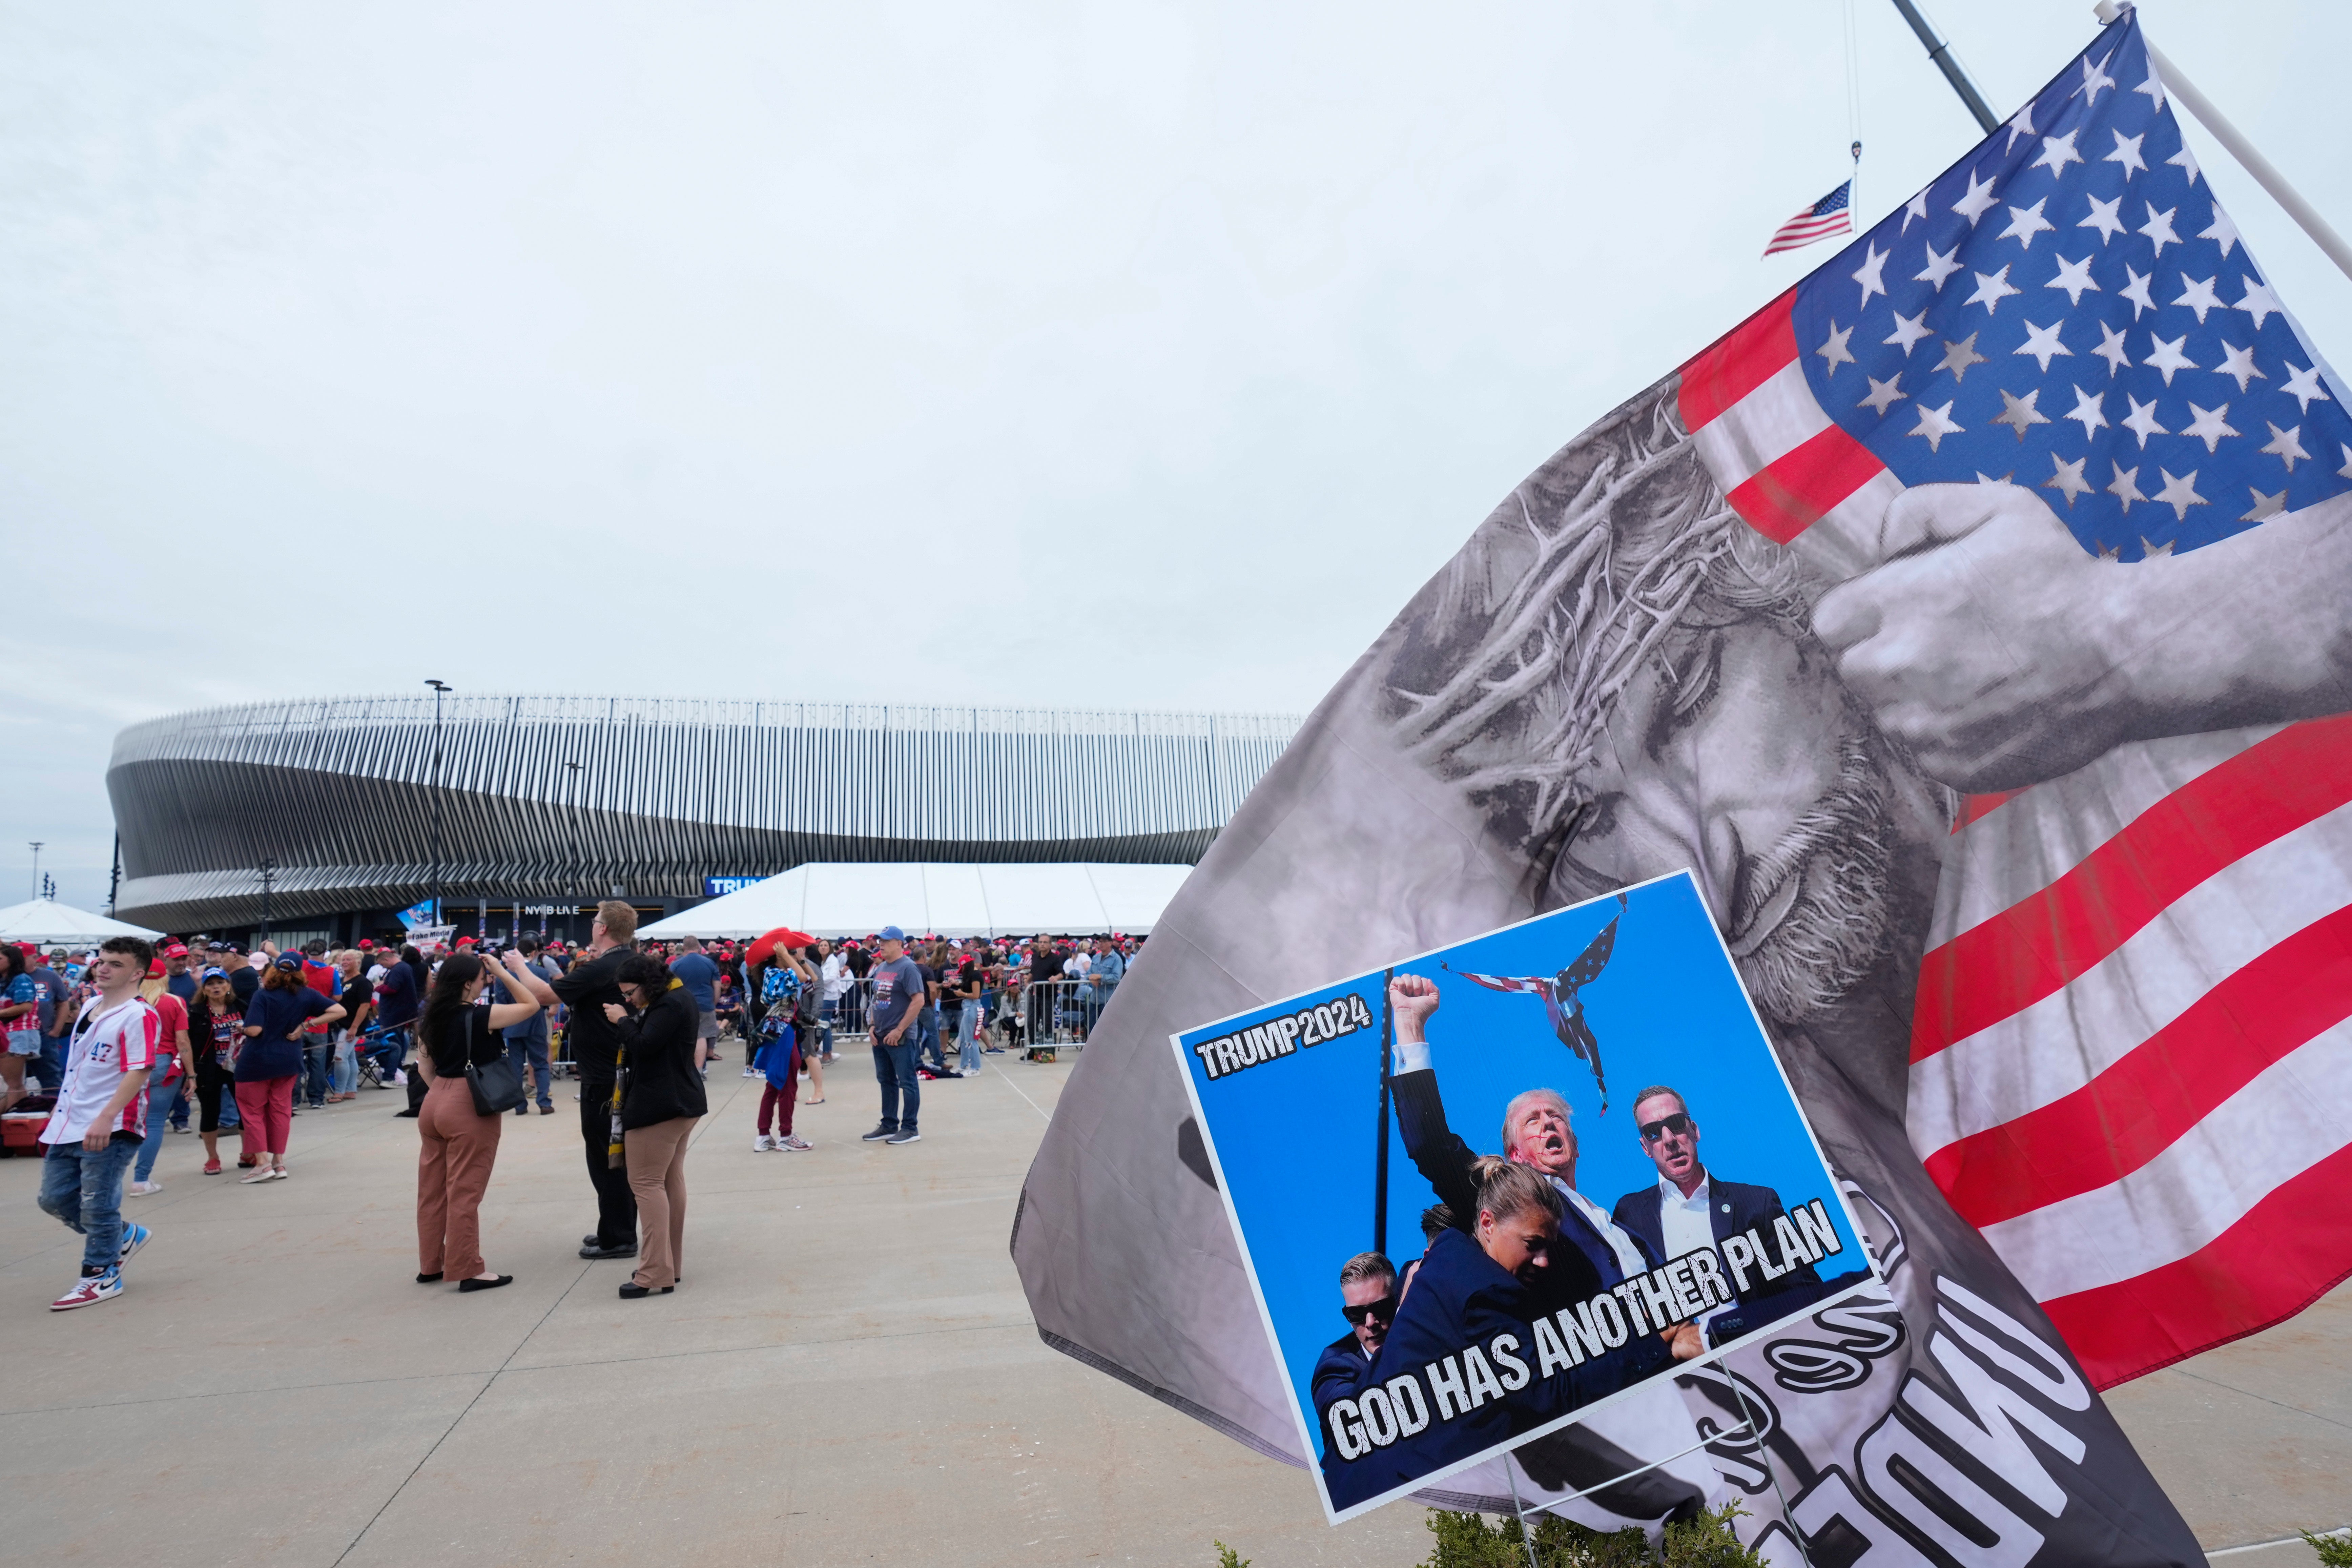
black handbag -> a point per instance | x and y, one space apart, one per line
497 1088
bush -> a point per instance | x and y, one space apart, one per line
1229 1558
2334 1551
1468 1541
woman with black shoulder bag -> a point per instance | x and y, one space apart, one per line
470 1086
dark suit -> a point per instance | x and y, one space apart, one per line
1732 1207
1579 1271
1338 1374
1461 1297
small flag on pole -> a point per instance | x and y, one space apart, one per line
1829 216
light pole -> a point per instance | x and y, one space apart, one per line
572 916
36 866
439 687
268 875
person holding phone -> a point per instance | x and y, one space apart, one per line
457 1145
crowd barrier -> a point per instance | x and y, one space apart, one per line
1035 1019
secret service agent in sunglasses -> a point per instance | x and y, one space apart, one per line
1384 1310
1678 1123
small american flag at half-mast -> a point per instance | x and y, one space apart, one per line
1832 215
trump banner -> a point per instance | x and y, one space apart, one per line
1581 1258
1975 623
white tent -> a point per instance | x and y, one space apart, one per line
856 897
47 921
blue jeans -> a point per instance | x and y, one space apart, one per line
968 1037
49 1068
343 1074
317 1051
389 1047
529 1054
826 1014
894 1066
926 1040
85 1190
160 1096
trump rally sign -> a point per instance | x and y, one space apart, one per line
1485 1192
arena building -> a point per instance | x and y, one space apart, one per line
329 816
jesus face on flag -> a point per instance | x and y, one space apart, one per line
1698 692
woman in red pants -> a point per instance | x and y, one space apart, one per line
458 1144
269 1059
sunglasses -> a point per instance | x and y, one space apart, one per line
1677 1124
1384 1310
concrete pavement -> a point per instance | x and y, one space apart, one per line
849 1374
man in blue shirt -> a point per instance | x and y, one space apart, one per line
693 968
900 994
526 1041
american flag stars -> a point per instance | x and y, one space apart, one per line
2118 331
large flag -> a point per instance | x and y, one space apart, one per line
1969 621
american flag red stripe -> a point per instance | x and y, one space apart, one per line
2133 1033
2285 1255
2039 944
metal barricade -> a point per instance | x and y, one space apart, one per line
1043 1016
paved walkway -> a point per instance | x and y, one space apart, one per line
850 1375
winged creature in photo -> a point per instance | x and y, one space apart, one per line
1559 996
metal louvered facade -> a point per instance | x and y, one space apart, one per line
339 793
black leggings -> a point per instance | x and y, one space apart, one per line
208 1099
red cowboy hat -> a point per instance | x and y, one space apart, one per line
765 946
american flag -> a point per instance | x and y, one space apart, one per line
1832 215
2133 1040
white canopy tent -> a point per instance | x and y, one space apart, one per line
856 897
46 920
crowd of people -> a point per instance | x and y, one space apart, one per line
127 1043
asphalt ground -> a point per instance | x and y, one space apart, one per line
849 1374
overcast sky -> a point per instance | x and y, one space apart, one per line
1101 355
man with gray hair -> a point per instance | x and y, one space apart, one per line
1597 1254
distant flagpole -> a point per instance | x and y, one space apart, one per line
1381 1159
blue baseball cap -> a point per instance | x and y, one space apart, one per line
892 933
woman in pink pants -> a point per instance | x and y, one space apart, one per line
457 1145
270 1060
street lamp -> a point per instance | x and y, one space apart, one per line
269 876
36 865
572 916
439 687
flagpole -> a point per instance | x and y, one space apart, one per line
1941 53
2305 216
1381 1159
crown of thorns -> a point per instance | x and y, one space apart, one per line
1566 592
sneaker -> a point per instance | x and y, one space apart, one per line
763 1144
180 1126
908 1136
793 1143
880 1133
258 1174
399 1081
141 1189
134 1236
749 1072
90 1291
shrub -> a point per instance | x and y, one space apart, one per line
2335 1550
1468 1541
